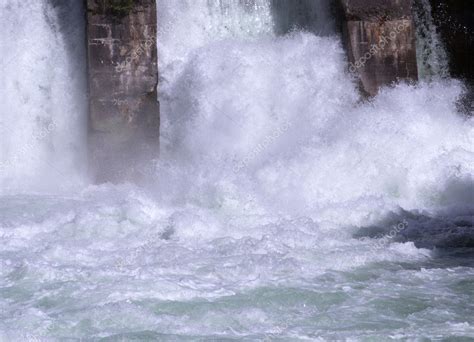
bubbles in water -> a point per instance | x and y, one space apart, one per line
249 224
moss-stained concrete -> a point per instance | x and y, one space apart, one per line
123 76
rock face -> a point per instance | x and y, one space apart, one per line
123 77
379 36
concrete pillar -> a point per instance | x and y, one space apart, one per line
379 36
123 77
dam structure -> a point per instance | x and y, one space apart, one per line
236 170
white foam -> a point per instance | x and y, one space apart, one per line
43 98
280 118
269 163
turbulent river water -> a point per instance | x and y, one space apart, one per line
282 208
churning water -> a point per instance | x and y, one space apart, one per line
282 208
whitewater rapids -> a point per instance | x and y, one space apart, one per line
282 207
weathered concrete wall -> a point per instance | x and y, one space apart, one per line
123 76
379 36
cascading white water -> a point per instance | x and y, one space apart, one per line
431 56
43 95
279 117
271 169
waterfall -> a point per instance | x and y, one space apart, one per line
277 115
43 94
185 26
282 206
198 22
188 24
431 55
308 15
